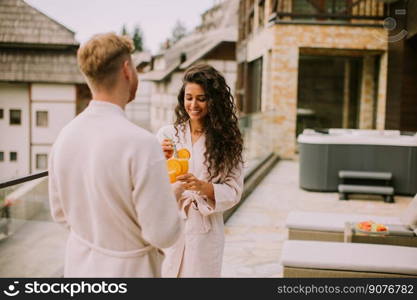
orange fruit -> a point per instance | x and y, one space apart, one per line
381 227
172 177
184 165
174 166
183 153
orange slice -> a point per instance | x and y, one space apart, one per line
183 153
172 177
184 165
174 166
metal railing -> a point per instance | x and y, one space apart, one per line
325 11
23 179
29 236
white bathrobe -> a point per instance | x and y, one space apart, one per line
199 252
108 184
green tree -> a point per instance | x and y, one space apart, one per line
178 32
138 38
124 30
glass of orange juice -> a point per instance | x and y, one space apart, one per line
172 176
174 169
184 165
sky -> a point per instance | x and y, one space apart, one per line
156 17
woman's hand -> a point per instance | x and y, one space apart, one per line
178 189
190 182
167 148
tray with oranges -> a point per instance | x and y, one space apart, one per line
371 227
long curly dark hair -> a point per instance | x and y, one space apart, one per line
224 143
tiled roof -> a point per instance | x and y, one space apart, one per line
39 66
21 23
200 42
226 35
139 57
34 47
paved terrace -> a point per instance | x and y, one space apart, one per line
256 231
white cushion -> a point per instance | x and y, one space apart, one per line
333 222
350 257
409 216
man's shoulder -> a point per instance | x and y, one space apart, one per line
70 126
138 136
133 130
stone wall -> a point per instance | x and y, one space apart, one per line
367 93
281 44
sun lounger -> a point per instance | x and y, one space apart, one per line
332 226
330 259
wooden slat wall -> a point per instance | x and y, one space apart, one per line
394 85
409 90
401 110
412 18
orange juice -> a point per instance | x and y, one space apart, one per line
184 165
172 176
174 169
178 165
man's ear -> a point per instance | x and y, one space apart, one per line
126 70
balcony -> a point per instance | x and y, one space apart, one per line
32 245
256 232
329 12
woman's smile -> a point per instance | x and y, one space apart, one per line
195 101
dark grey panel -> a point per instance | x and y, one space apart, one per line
320 164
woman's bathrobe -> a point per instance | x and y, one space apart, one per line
199 252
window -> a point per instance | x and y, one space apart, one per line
250 23
273 6
42 118
1 113
254 86
328 94
41 161
261 15
1 156
15 117
313 8
13 156
242 20
240 86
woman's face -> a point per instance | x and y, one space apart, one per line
195 101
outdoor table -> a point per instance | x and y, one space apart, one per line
397 235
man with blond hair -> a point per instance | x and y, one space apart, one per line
108 182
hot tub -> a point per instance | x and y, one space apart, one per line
324 153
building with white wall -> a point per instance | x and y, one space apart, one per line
40 86
138 111
212 42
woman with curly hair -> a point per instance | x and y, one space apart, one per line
207 126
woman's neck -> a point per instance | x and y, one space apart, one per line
196 127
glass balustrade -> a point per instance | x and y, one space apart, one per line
32 245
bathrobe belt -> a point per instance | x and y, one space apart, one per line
200 203
114 253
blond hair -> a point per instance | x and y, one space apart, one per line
102 56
